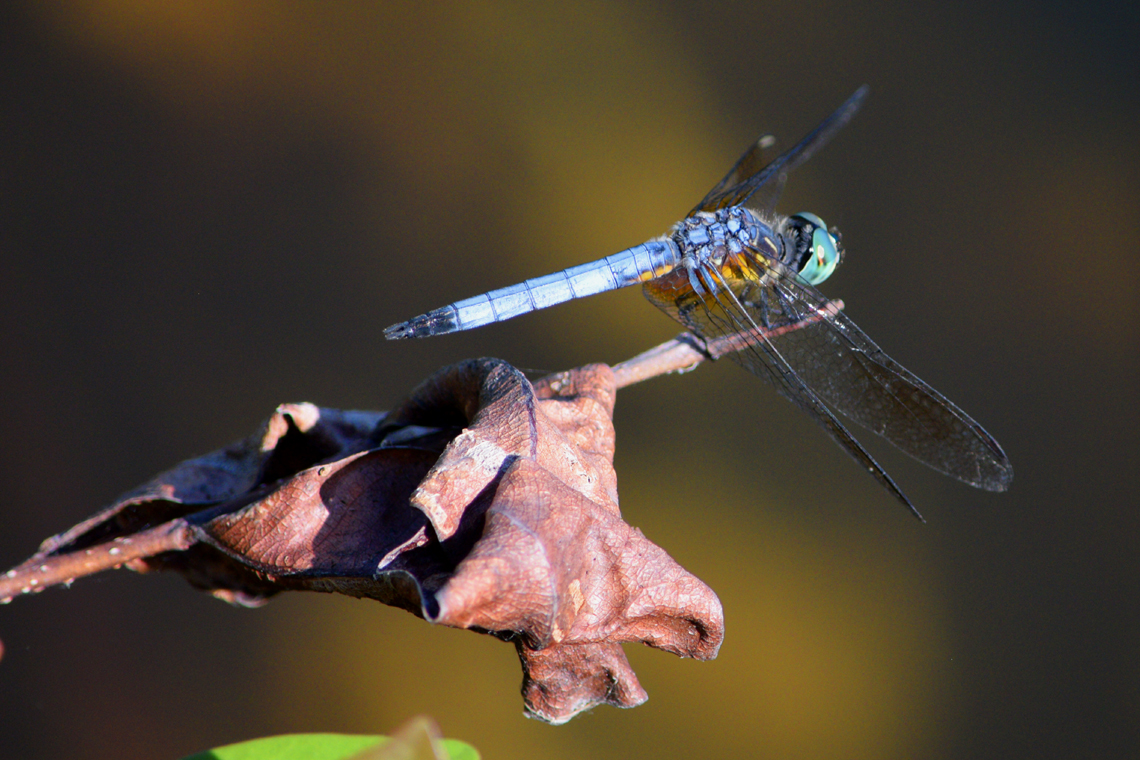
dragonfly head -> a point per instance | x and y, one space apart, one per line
816 249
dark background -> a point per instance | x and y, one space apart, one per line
209 210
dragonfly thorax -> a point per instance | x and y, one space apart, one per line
709 236
801 242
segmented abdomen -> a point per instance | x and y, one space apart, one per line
629 267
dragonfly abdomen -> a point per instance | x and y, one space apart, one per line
629 267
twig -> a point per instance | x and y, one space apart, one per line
40 571
685 352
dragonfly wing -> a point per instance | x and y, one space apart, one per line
710 316
771 176
854 376
758 155
846 370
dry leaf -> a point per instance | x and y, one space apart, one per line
482 502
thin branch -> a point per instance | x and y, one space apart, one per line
685 352
40 572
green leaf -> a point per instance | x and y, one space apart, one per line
458 750
317 747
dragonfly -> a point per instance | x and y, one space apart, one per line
735 266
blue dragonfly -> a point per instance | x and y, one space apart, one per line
734 266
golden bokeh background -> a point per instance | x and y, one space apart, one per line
211 208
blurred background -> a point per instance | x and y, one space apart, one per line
208 209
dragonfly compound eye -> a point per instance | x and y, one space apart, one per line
817 249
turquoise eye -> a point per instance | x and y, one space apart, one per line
824 256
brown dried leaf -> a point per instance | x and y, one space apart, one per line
513 530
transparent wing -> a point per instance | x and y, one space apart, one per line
715 316
753 175
759 154
833 362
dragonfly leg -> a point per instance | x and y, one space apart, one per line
703 284
765 318
695 281
791 308
709 276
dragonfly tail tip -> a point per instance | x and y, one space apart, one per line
397 332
